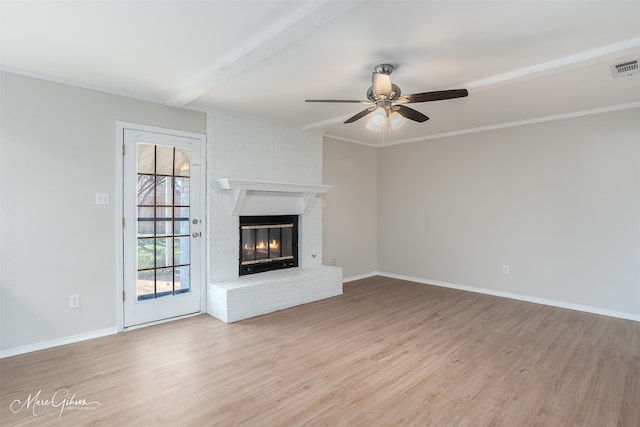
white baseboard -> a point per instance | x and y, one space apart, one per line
360 276
58 342
519 297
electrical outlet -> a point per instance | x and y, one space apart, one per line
505 269
74 301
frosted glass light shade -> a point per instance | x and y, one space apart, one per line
396 120
377 120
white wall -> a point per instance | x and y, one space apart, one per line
248 148
351 213
558 202
58 149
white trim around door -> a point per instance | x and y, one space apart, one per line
121 264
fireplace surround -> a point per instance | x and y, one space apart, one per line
232 297
268 243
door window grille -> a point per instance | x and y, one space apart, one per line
162 219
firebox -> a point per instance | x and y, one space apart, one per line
268 243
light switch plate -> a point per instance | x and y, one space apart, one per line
102 198
74 301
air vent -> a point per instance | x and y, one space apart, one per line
625 69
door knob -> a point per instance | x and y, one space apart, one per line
195 234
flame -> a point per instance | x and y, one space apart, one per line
263 245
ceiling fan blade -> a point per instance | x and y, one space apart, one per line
354 101
438 95
410 113
360 115
381 84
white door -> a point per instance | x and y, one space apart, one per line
162 210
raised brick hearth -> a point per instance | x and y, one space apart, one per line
256 294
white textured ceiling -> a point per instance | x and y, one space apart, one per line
522 61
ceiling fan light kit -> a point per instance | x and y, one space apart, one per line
387 101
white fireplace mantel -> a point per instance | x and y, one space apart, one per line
241 188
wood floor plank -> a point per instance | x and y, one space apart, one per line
387 352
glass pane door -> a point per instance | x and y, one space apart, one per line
162 210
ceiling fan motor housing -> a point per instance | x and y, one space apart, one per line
394 89
384 69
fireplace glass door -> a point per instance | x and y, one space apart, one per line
268 243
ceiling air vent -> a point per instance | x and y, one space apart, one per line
625 69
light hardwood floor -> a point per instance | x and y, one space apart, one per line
387 352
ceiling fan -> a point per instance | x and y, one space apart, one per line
388 102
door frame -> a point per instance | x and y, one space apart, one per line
119 202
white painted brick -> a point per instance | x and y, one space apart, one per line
258 294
